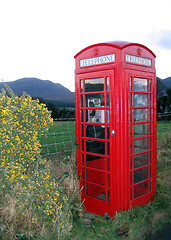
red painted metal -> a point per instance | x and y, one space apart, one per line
115 106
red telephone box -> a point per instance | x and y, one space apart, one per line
115 105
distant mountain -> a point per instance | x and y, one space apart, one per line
161 88
41 89
167 82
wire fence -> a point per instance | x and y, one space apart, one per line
60 139
164 116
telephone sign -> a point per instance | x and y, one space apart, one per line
97 60
138 60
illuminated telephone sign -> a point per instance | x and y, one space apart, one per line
115 117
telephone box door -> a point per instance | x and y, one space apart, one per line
96 134
142 134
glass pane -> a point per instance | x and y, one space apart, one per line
81 100
131 131
97 147
82 130
95 162
141 130
131 113
95 191
94 116
140 85
131 150
108 180
81 85
140 100
150 85
82 118
150 185
94 100
107 84
95 176
82 145
141 115
108 195
107 112
140 175
131 193
108 148
95 131
141 160
131 102
107 96
94 85
108 132
130 83
141 145
131 179
140 189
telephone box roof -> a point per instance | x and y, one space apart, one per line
117 44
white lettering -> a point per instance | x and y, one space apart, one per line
138 60
97 60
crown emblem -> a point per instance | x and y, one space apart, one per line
139 51
96 52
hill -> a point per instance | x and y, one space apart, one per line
167 82
161 88
44 89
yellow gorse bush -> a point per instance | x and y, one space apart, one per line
26 179
21 120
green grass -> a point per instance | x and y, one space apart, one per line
163 128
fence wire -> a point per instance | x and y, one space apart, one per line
60 139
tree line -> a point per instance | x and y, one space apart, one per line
164 102
57 111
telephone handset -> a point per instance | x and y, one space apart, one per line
95 115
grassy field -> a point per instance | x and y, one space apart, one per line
136 223
163 128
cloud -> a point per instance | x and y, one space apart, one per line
161 38
165 40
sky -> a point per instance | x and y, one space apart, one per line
39 38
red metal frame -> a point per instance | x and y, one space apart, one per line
116 172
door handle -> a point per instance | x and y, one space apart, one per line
113 132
